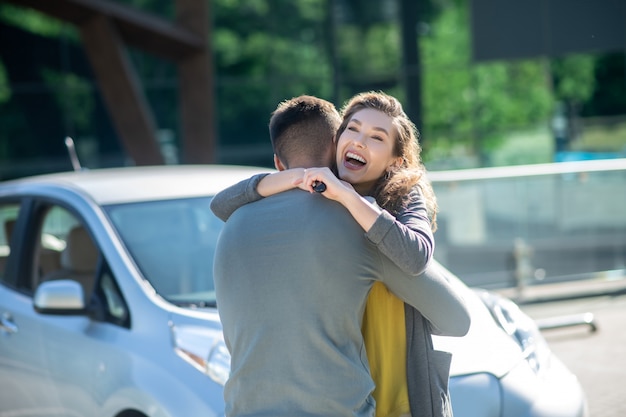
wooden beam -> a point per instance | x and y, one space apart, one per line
196 87
105 25
145 31
120 88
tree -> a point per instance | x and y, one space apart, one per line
471 105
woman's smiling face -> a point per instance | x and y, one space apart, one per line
365 149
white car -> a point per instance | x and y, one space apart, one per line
107 306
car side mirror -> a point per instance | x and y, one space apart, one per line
63 297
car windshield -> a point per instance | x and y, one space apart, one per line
172 243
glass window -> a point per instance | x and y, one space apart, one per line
533 227
8 217
65 251
114 306
172 243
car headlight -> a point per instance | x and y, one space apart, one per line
520 327
204 349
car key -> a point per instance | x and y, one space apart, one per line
319 187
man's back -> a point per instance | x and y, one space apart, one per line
292 273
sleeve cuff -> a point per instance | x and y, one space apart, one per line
251 190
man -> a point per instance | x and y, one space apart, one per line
292 273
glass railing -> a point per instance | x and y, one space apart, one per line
533 224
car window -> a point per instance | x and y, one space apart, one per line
8 217
115 309
65 250
172 243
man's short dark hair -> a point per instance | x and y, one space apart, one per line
304 125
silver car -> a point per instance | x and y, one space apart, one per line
107 306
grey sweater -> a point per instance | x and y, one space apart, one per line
292 274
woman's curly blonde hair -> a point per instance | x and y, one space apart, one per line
392 190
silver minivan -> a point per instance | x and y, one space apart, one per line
107 306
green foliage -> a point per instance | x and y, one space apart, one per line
73 95
373 53
474 103
609 96
531 146
33 21
574 77
265 51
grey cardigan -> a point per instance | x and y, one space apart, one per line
399 239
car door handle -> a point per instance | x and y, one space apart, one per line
6 324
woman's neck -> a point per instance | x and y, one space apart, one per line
363 189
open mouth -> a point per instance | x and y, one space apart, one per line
354 160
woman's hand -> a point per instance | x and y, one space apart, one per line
335 188
363 211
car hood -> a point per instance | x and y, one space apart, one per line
485 348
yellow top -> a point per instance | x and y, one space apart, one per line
385 341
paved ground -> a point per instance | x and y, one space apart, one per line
597 358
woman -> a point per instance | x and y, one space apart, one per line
379 155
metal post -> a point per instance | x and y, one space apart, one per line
524 271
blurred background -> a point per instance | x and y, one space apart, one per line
490 84
521 106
